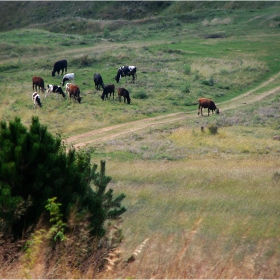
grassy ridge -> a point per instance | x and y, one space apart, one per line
73 16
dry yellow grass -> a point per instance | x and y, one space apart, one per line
205 218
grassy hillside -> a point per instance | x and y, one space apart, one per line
55 16
200 205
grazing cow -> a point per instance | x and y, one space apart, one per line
38 81
98 81
123 92
68 77
74 91
36 99
59 65
108 89
54 88
207 103
124 71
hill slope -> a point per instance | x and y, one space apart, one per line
53 15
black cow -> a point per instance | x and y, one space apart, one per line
108 89
98 81
123 92
124 71
207 103
59 65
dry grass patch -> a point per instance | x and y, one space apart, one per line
212 217
217 21
229 140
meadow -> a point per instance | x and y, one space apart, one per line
199 204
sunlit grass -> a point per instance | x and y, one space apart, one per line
231 140
235 203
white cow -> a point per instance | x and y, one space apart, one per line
68 77
49 90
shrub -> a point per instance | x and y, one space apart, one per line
276 177
140 95
35 167
106 32
213 129
210 82
187 69
186 88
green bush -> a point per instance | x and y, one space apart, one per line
140 95
186 88
35 167
213 129
187 69
210 82
106 32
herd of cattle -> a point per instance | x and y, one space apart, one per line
73 90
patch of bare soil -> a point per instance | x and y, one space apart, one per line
115 131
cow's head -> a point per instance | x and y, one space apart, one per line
59 90
217 111
79 99
53 73
38 101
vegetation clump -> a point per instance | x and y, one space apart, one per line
213 129
38 174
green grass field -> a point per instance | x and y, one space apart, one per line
199 205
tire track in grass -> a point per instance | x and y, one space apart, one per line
115 131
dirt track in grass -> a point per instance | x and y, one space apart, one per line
115 131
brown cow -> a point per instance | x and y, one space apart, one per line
123 92
38 81
207 103
74 92
108 89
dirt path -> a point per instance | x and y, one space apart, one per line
115 131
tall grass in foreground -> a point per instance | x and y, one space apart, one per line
205 218
209 211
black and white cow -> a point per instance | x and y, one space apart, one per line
68 77
59 65
55 89
124 71
36 99
98 81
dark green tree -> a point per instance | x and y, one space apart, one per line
35 166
